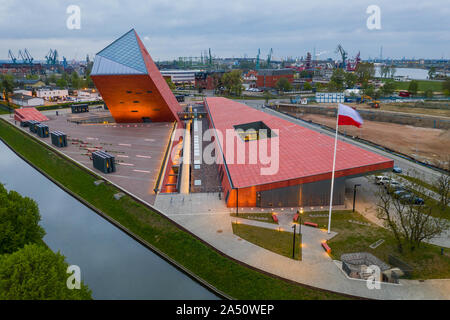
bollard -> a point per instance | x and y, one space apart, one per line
442 251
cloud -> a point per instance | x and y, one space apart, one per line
230 28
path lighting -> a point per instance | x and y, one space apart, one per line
354 195
293 245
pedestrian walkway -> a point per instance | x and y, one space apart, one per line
211 221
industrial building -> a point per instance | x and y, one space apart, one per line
26 101
130 83
267 78
304 163
180 76
50 94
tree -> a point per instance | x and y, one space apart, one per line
392 71
75 81
19 221
388 88
350 80
365 72
37 273
432 73
170 84
411 224
338 78
232 81
413 87
428 93
446 86
61 83
442 185
267 96
7 85
307 86
283 84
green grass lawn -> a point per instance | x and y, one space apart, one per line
258 216
230 277
280 242
426 260
424 85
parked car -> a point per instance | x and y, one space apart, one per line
397 169
382 179
400 193
394 186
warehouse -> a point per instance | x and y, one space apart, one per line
26 101
267 78
304 159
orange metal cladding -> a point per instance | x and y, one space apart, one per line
131 97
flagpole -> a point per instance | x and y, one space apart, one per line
332 172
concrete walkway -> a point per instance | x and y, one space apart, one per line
206 216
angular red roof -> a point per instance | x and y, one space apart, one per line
304 154
29 113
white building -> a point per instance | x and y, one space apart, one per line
26 101
180 76
24 92
52 93
330 97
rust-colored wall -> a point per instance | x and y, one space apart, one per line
271 81
247 196
113 89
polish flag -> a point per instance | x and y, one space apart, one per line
347 116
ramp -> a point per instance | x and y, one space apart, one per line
26 114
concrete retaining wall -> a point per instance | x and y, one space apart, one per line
392 117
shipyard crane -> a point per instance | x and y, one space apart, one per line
12 57
52 57
28 57
257 59
343 54
210 57
269 57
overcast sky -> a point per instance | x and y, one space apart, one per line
170 29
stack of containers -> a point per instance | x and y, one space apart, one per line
59 139
32 125
42 130
103 161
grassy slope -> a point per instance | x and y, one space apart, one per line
426 260
228 276
276 241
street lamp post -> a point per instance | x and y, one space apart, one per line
354 195
293 246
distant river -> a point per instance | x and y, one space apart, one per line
412 73
113 265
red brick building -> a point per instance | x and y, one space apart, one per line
267 78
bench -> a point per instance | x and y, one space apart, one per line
311 224
274 217
296 217
326 247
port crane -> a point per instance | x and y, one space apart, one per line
12 57
52 57
269 57
257 59
343 54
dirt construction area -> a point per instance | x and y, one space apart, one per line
424 144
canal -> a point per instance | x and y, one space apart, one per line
113 265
